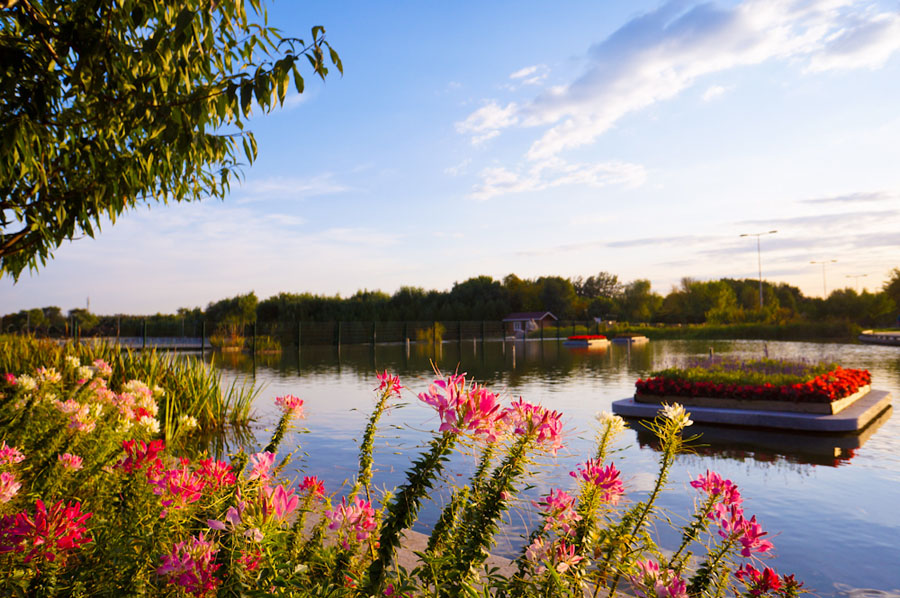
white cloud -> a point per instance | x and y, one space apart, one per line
530 75
866 42
260 189
714 91
556 173
658 55
458 169
486 122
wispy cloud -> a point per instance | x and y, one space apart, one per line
556 173
531 75
828 222
854 198
714 91
486 122
657 55
254 190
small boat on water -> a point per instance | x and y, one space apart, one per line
587 340
635 339
880 338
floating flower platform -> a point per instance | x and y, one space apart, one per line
587 340
803 397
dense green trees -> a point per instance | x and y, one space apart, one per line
725 301
109 105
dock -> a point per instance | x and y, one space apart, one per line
853 418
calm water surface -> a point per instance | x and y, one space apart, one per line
832 503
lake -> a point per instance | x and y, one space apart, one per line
831 503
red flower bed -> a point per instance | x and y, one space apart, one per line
824 388
587 337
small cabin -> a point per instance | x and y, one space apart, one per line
520 324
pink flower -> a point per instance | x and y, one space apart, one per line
388 383
752 538
559 511
538 552
534 420
103 369
70 462
50 534
356 519
651 582
10 455
605 478
713 484
9 487
261 463
141 454
10 379
566 557
473 409
765 581
290 405
313 486
190 565
178 488
278 501
216 474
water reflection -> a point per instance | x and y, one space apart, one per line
771 446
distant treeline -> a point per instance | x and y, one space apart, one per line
719 302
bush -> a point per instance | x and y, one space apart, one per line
93 502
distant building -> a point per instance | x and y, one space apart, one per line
520 324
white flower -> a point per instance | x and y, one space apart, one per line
677 414
187 423
27 382
73 362
150 423
616 424
84 372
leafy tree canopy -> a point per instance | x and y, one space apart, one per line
109 105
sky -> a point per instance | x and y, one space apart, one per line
641 138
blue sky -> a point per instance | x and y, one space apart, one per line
467 138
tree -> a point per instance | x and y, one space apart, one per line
111 105
639 302
892 286
603 284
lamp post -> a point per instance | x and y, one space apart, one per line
824 263
856 277
759 260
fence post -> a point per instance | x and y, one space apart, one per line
253 348
434 339
374 330
458 332
299 333
338 340
482 332
202 337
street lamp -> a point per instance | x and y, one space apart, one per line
824 292
759 260
857 277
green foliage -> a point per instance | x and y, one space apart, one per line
107 106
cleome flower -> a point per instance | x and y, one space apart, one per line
70 462
558 508
474 409
676 413
528 419
51 534
9 487
10 454
356 520
389 383
191 565
290 405
605 478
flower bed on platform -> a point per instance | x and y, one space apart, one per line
757 384
587 337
